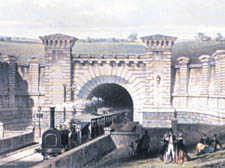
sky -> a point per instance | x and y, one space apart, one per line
111 18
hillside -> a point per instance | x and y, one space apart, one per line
120 158
192 49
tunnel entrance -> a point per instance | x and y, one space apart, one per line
113 97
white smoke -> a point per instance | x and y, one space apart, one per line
94 103
82 104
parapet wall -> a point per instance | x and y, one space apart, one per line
16 142
81 156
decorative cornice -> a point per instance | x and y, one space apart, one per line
8 58
204 58
58 41
58 36
183 60
159 37
158 42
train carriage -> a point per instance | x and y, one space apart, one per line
78 131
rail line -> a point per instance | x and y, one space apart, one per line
25 157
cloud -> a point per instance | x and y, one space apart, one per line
111 17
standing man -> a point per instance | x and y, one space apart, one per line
171 146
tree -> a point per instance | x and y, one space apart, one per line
200 35
88 39
133 37
219 37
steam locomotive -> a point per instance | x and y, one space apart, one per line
55 142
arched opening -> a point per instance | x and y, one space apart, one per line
114 97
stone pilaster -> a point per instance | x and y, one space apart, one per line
34 75
11 78
166 78
58 67
205 60
149 86
184 75
158 107
220 72
158 70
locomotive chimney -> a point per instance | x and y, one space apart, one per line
52 117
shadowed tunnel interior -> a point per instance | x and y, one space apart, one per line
114 96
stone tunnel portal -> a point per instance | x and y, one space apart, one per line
114 96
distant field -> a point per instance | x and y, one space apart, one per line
24 51
192 49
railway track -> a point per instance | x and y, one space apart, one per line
25 157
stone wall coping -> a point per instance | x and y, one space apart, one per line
123 133
158 37
209 112
109 56
22 134
183 60
157 109
200 96
8 58
23 65
204 58
192 66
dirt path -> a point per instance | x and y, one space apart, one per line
119 158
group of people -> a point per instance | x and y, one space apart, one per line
70 136
208 146
174 148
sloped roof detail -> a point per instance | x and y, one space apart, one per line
158 37
57 36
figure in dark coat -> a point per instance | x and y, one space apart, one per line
204 139
180 144
143 145
165 142
214 143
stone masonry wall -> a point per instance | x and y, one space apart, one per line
15 102
81 156
16 142
202 99
160 93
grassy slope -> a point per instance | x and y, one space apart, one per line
192 49
23 50
120 158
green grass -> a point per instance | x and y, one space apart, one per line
194 49
191 49
24 51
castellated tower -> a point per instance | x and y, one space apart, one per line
58 68
158 107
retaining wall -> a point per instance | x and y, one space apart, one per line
12 143
81 156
